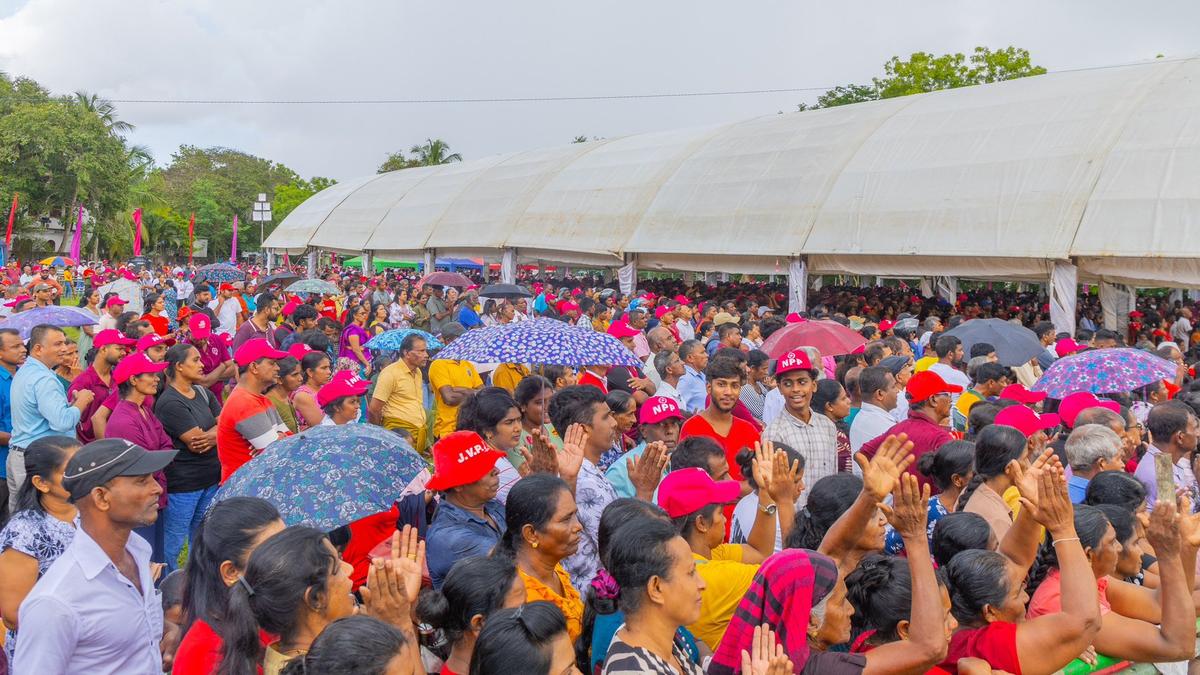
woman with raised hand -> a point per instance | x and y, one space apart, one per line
950 468
474 589
1000 452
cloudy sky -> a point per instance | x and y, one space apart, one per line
456 49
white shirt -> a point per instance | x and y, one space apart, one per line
84 616
951 375
227 315
183 289
666 390
1181 330
686 332
106 321
772 405
900 412
870 423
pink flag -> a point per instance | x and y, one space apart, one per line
233 246
78 238
137 233
12 214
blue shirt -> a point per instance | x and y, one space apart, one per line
6 379
691 388
1077 489
457 533
39 405
468 317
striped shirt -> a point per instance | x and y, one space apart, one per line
816 440
624 659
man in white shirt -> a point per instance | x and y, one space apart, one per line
949 351
669 369
113 307
227 309
183 287
879 395
1181 330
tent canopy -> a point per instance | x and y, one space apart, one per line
996 181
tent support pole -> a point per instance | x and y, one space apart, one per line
270 260
312 263
797 285
1063 290
508 266
368 263
429 260
627 276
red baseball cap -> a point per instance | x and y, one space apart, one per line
1076 403
660 311
111 336
620 329
1017 392
253 350
460 458
153 340
200 325
115 301
344 383
136 364
658 408
1172 388
797 359
886 325
1067 346
290 307
226 287
299 350
1025 420
683 300
927 383
688 490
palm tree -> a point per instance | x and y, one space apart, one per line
105 110
435 151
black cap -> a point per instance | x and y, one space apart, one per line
101 461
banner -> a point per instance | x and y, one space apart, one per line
78 238
233 245
137 232
12 213
191 235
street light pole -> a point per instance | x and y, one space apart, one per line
262 214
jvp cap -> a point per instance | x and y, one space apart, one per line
461 458
345 383
253 350
1025 420
299 350
926 384
101 461
111 336
797 359
115 301
658 408
136 364
688 490
1067 346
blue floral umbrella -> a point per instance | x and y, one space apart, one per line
220 273
541 341
1103 371
54 315
329 476
390 340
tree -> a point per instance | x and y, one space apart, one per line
433 152
105 110
394 162
580 139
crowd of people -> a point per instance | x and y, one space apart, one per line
904 508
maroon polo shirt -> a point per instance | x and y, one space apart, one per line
90 380
926 436
212 354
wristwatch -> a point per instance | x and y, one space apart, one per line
769 509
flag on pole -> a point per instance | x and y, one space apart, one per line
191 233
77 239
233 246
12 214
137 233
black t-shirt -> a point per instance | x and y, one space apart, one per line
619 376
190 471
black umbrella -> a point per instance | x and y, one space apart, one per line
505 291
1015 345
283 278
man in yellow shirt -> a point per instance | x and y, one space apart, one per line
452 382
398 401
508 375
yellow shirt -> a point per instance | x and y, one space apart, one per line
402 391
508 375
962 408
452 373
571 604
727 579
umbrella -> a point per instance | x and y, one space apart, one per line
329 476
129 291
541 341
1015 345
1103 371
58 261
54 315
390 340
279 278
221 273
319 286
444 279
505 291
830 338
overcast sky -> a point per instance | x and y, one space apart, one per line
390 49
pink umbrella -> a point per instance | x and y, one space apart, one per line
828 337
444 279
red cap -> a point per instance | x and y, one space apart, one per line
1067 346
886 325
115 301
461 458
153 340
660 311
683 300
1025 420
111 336
688 490
290 307
253 350
1136 314
136 364
200 325
565 307
184 312
797 359
299 350
226 287
927 383
1076 403
1172 388
620 329
658 408
344 383
793 317
1017 392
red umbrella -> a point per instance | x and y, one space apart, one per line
828 337
444 279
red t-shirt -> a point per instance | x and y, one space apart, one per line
200 650
741 435
161 324
366 534
248 423
588 377
995 643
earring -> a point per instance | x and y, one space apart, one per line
534 544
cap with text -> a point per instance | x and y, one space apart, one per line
461 458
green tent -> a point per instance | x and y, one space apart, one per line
381 265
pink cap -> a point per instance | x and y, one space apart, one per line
797 359
683 300
1067 346
1017 392
620 329
794 318
290 307
688 490
200 325
576 292
253 350
660 311
1076 403
344 383
1025 420
136 364
115 301
153 340
658 408
111 336
299 350
568 307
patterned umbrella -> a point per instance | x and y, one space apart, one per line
319 286
329 476
828 337
54 315
444 279
390 340
541 341
1103 371
220 273
59 261
1015 345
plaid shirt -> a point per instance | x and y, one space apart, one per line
816 441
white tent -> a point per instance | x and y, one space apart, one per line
1091 175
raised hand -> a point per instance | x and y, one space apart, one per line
571 458
1165 529
762 468
783 477
882 471
1189 524
646 471
385 596
1053 509
541 458
408 552
766 656
1027 480
909 512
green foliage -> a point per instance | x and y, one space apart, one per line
432 152
394 162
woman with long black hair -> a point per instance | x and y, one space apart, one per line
474 589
